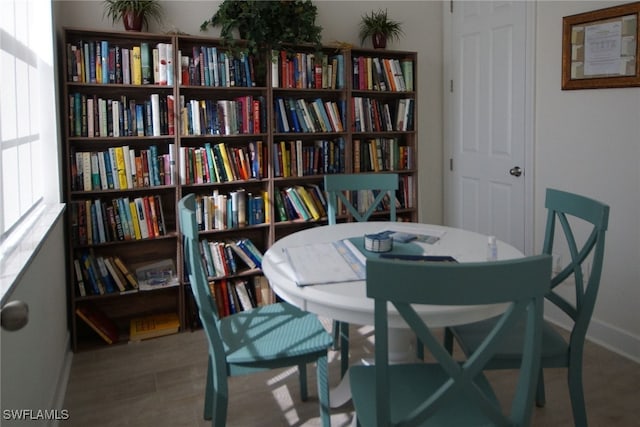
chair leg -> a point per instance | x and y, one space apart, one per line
216 398
540 394
344 348
322 367
336 335
448 340
302 375
419 349
576 393
208 394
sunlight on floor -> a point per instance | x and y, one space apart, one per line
282 376
285 402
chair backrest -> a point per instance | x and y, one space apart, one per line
564 208
520 282
382 184
199 283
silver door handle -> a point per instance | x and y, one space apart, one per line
515 171
14 315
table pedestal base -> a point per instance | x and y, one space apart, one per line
401 350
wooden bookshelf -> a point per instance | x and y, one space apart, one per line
254 134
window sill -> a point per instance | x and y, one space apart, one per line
17 252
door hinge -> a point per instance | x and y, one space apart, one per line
451 164
451 6
451 86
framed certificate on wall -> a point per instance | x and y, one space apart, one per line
600 48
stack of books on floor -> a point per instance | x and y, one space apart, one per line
156 325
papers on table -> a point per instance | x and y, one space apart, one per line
344 261
405 237
331 262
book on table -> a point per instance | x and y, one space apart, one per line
423 258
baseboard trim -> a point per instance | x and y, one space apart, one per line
63 381
615 339
608 336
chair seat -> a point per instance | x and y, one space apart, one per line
553 353
271 332
405 394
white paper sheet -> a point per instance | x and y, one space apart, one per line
331 262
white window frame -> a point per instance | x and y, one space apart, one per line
29 139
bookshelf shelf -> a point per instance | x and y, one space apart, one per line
221 137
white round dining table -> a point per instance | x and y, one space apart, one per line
347 301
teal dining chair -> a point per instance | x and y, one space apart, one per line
267 337
449 392
573 212
339 188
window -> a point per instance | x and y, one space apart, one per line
29 165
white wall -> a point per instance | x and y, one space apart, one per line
588 141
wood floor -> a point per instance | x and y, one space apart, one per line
160 382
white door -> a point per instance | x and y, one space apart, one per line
487 118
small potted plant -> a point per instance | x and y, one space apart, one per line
134 14
379 28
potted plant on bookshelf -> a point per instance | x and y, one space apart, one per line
265 25
134 14
380 28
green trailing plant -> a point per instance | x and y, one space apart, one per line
129 10
266 25
378 25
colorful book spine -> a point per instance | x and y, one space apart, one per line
146 64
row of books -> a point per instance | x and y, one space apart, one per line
97 117
295 158
382 74
103 62
221 163
100 275
406 191
302 70
211 66
381 154
300 115
225 258
236 295
374 115
242 115
299 203
121 168
236 209
97 221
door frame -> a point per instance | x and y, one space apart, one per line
529 118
